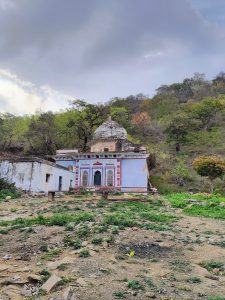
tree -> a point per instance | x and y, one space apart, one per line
89 117
42 134
178 129
209 166
120 115
142 121
206 111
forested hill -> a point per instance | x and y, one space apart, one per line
181 121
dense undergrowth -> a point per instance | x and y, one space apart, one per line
8 189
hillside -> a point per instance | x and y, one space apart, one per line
181 121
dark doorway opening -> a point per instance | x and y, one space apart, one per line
60 183
97 178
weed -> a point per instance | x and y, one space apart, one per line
109 239
77 244
69 227
97 240
52 254
56 219
135 285
62 267
84 253
115 229
83 231
194 279
212 264
149 282
43 248
119 295
45 275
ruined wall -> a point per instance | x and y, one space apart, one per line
99 146
31 176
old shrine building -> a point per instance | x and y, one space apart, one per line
112 161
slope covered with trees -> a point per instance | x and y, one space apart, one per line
180 122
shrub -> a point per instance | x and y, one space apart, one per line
209 166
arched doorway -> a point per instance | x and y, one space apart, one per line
97 178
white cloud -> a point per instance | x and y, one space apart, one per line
19 97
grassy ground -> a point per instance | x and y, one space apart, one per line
169 247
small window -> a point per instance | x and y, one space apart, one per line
85 178
70 168
47 178
106 149
110 178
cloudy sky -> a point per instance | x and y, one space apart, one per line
52 51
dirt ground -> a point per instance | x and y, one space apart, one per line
131 263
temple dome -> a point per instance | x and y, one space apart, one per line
110 130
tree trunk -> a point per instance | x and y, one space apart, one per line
211 186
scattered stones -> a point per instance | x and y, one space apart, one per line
34 278
82 282
55 264
3 268
12 292
150 295
84 244
69 294
213 277
7 257
51 283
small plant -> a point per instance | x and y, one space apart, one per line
119 295
131 254
44 248
52 254
62 267
135 285
76 244
84 253
109 239
194 279
97 240
149 282
210 265
45 274
83 231
69 227
115 229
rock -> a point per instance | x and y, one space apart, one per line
92 253
54 265
7 257
135 228
150 295
84 244
105 245
213 277
68 294
34 278
113 259
82 282
3 268
12 292
51 283
7 198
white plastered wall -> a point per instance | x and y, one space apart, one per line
31 176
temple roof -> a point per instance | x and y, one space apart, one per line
110 130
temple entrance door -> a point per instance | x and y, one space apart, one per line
97 178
